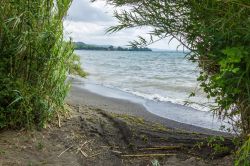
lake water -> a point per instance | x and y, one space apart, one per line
159 77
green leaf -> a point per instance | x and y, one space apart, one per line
15 101
235 70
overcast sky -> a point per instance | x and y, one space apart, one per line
87 22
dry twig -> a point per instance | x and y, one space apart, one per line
147 155
65 150
162 148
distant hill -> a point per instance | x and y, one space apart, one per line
84 46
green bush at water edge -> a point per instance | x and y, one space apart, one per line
34 62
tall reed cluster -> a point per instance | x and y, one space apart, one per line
34 61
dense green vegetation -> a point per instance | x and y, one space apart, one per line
218 35
83 46
34 61
75 66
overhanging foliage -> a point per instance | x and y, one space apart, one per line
217 33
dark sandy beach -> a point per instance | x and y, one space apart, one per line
83 97
105 131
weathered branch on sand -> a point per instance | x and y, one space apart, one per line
65 150
147 155
161 148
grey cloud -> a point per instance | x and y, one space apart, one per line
81 11
87 22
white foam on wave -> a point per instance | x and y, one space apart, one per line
159 98
153 97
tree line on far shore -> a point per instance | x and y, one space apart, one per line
84 46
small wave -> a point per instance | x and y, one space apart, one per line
135 68
155 97
159 98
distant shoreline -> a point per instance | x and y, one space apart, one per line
110 50
84 46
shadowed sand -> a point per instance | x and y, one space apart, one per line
99 130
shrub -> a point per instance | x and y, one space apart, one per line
34 61
243 154
218 35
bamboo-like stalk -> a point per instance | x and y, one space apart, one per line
34 61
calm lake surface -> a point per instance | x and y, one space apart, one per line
164 79
159 76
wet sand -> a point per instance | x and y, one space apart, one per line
83 97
